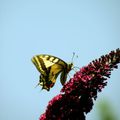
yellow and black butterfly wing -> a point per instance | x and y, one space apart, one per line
55 70
42 63
63 77
43 66
50 67
58 68
48 81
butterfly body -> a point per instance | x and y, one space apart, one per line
50 67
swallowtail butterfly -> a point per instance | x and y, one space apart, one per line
50 67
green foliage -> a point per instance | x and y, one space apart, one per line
106 111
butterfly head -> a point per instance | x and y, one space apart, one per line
70 66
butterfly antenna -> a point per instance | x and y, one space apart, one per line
73 56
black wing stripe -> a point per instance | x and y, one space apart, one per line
64 66
35 61
42 63
57 60
49 56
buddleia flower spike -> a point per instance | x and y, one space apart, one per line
78 94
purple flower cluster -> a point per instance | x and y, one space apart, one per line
77 95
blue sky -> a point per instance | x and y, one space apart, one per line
88 28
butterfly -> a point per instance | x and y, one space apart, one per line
50 67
